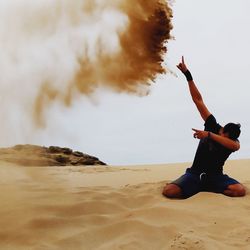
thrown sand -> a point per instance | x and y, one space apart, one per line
117 208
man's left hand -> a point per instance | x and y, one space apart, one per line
200 134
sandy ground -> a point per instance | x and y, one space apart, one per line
117 208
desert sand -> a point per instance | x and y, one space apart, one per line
117 207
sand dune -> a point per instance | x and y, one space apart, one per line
117 208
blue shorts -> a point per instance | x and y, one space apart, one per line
191 183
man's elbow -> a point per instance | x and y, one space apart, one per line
236 147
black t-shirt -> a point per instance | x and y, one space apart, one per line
210 155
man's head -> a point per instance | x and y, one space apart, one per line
232 130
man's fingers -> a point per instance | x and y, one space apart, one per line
196 135
179 66
196 132
182 59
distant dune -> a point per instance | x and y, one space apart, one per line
33 155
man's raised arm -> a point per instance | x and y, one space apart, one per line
196 96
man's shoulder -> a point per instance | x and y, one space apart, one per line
211 124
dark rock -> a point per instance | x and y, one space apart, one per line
54 149
62 159
89 160
97 162
84 161
67 151
77 153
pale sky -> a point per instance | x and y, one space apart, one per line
120 129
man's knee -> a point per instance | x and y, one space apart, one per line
235 190
172 191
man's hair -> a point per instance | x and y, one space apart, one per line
233 130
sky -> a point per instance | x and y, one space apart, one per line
122 129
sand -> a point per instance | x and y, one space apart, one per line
117 208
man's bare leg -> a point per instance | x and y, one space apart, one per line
235 190
172 191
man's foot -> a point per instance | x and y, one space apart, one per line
235 190
172 191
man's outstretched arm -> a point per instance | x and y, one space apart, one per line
196 96
224 141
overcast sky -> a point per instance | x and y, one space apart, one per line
120 129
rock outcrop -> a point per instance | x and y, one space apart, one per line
33 155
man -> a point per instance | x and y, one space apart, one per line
215 146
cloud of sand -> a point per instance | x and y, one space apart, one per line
54 50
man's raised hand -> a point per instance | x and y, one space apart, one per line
182 66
